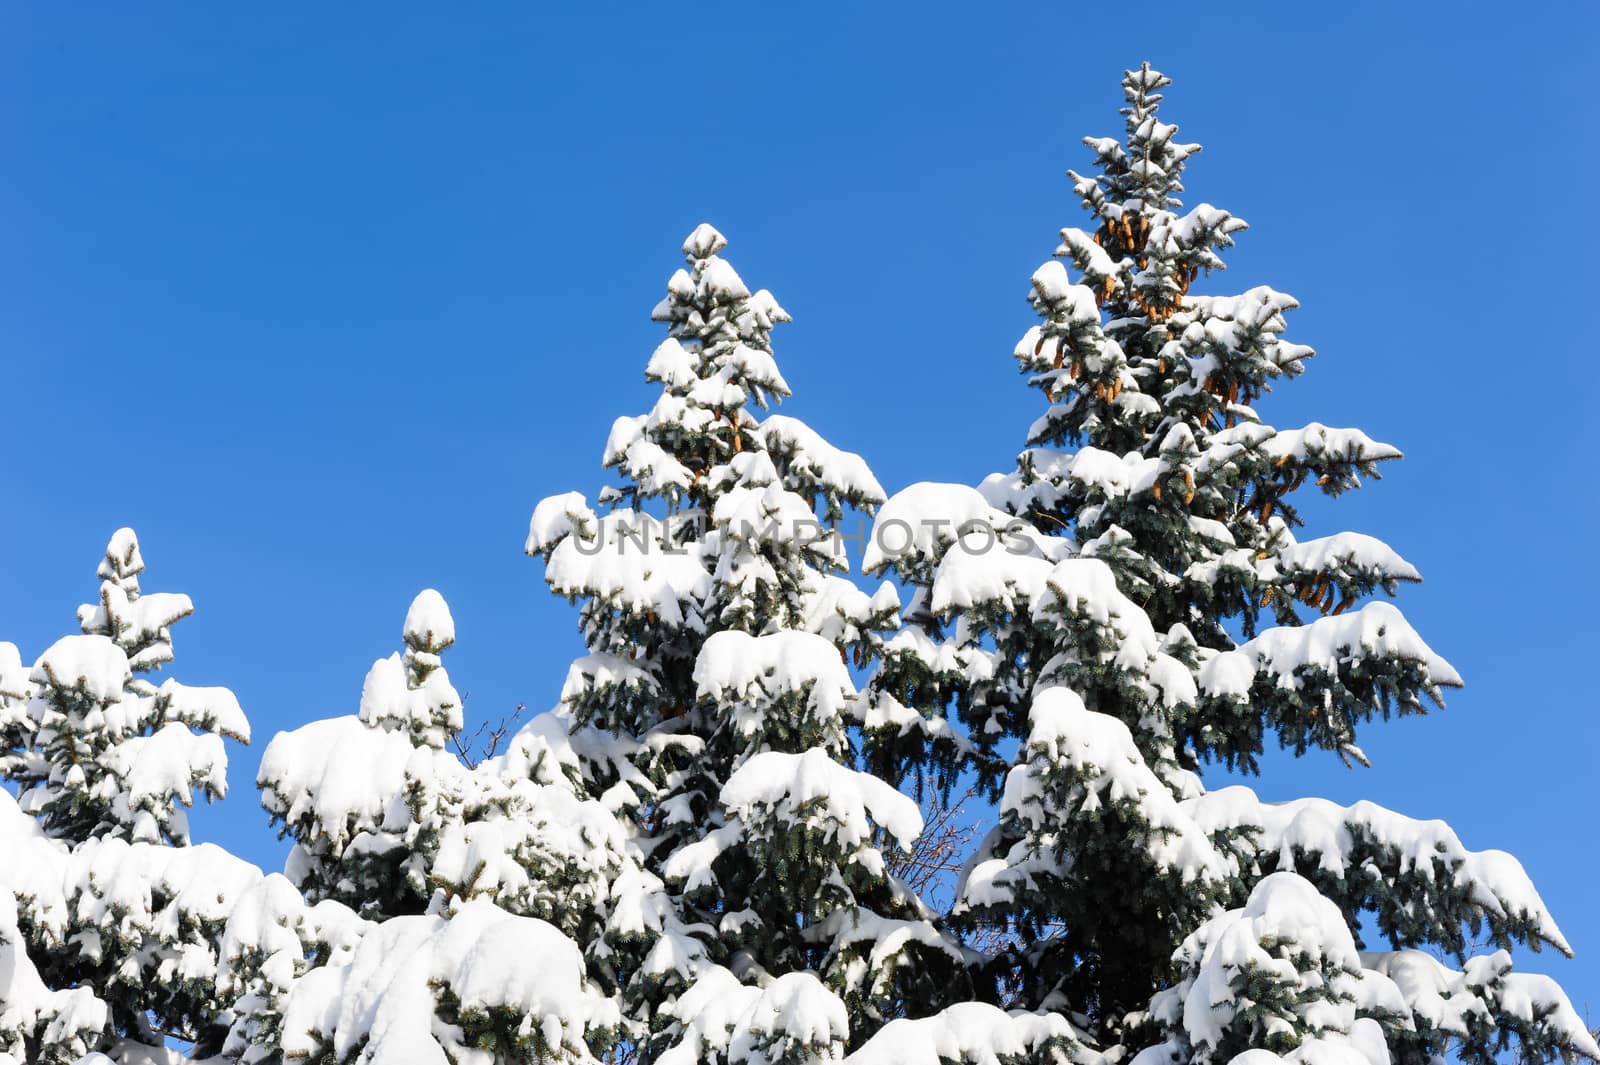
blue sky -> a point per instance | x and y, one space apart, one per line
322 300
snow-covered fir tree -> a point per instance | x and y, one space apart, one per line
108 922
687 860
717 702
363 796
417 883
99 749
1133 602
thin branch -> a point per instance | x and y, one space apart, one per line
487 740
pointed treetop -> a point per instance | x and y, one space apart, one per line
429 626
1139 88
1141 85
704 242
123 562
1142 173
138 622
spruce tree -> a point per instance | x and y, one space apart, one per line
365 797
388 821
101 750
717 699
419 884
688 860
1131 604
109 919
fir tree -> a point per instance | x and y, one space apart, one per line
1150 610
109 918
686 861
366 840
719 629
388 822
407 864
101 750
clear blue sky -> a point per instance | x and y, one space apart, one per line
322 299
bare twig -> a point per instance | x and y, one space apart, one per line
948 829
487 740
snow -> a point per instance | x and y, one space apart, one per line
1284 654
974 1033
630 565
602 672
211 709
72 1018
884 945
1348 552
33 876
428 711
642 459
267 920
707 1014
841 613
883 713
1087 588
31 892
155 768
1080 247
1113 475
14 682
718 392
1052 286
380 1007
966 580
122 558
1532 998
812 461
920 523
1455 1001
1319 443
1250 320
145 915
943 658
734 665
533 842
719 280
1321 833
133 621
674 952
119 882
1099 754
555 518
94 665
770 514
794 1019
1084 590
1431 992
813 788
671 365
704 242
1287 937
752 367
338 774
429 626
760 313
484 956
